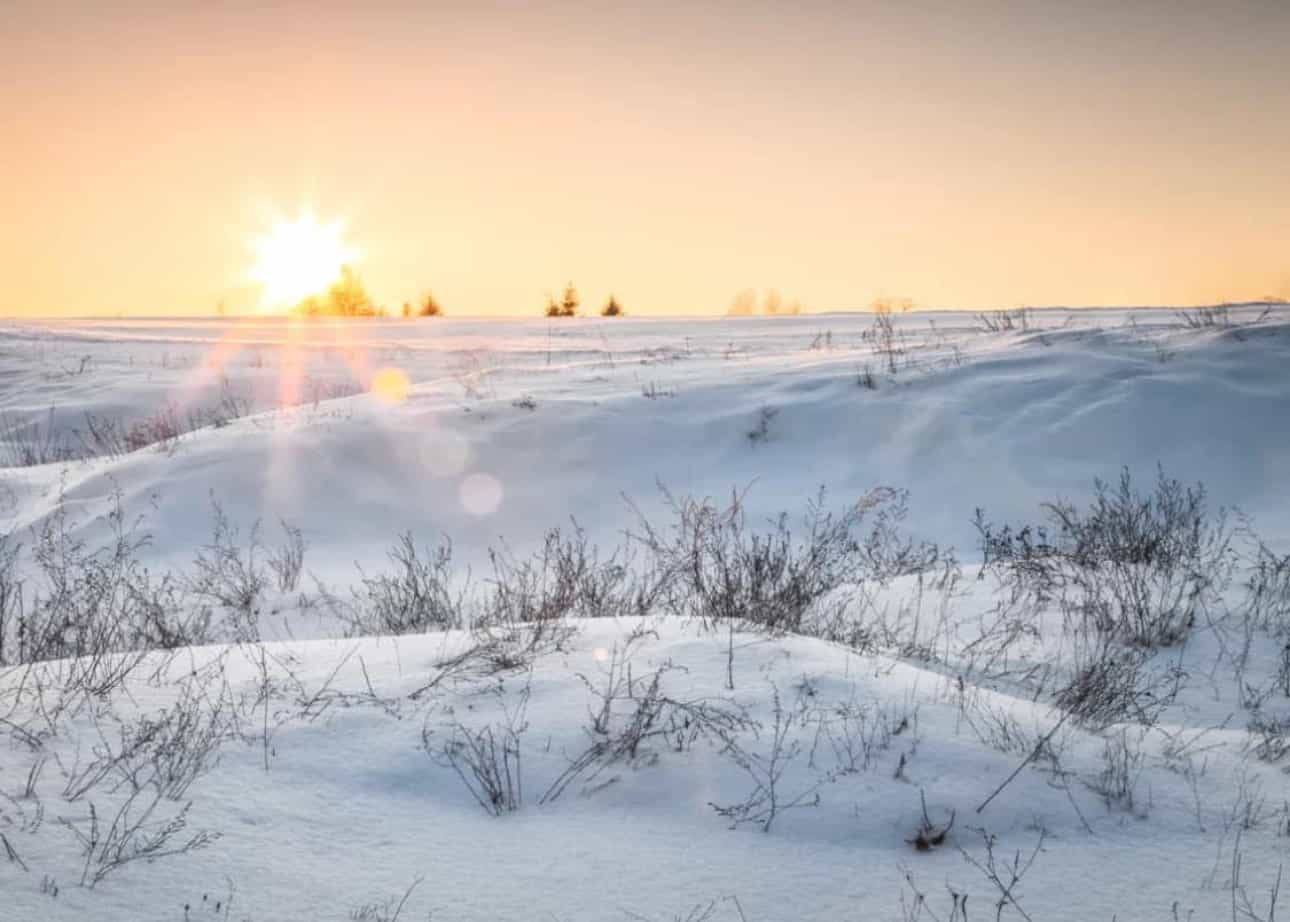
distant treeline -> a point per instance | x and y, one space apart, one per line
568 304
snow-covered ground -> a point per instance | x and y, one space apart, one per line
328 790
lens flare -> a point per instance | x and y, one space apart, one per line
481 494
390 385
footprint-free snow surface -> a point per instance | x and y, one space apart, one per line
297 752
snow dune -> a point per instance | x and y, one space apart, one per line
330 789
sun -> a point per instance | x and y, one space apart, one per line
298 258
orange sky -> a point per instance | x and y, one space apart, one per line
966 154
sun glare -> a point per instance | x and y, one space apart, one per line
298 258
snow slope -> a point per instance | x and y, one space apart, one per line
491 432
999 421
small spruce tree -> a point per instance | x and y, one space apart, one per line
429 307
569 304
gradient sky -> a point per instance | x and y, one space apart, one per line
962 154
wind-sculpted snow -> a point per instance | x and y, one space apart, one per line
405 682
968 419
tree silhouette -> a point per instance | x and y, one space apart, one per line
569 303
612 308
429 307
744 303
348 298
772 304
